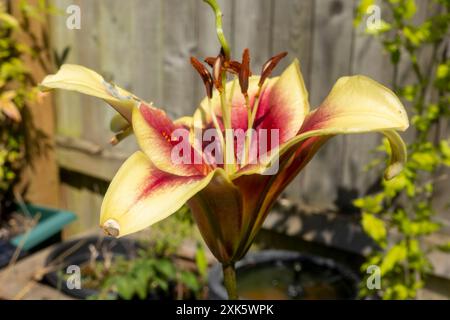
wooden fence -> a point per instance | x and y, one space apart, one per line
145 45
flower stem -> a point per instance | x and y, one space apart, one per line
229 279
219 30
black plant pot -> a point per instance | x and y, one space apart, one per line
77 253
279 274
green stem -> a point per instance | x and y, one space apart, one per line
229 279
219 30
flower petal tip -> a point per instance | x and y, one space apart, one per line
111 227
393 170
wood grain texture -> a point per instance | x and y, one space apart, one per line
292 31
333 37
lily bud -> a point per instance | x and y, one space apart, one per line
269 66
205 75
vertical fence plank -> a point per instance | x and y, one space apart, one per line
292 32
367 57
68 117
332 47
252 24
146 54
179 45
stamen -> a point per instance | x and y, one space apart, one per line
217 126
235 67
229 138
231 66
269 66
210 61
244 72
217 72
205 75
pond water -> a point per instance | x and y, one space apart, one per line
295 280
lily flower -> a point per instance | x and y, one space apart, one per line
231 186
230 206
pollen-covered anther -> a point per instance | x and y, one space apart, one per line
166 136
269 66
111 227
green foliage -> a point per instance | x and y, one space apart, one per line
20 140
147 276
401 214
154 271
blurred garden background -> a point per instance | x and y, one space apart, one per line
338 208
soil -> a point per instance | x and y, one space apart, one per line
16 223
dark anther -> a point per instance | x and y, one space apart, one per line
233 66
210 61
244 72
269 66
205 75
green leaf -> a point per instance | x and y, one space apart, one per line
374 227
394 256
201 260
397 292
189 280
361 10
125 287
444 247
9 20
442 71
372 204
444 148
410 9
376 29
166 268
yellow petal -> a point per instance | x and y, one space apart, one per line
141 195
155 131
355 105
398 154
358 104
81 79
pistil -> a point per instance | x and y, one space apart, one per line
250 121
229 164
217 127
